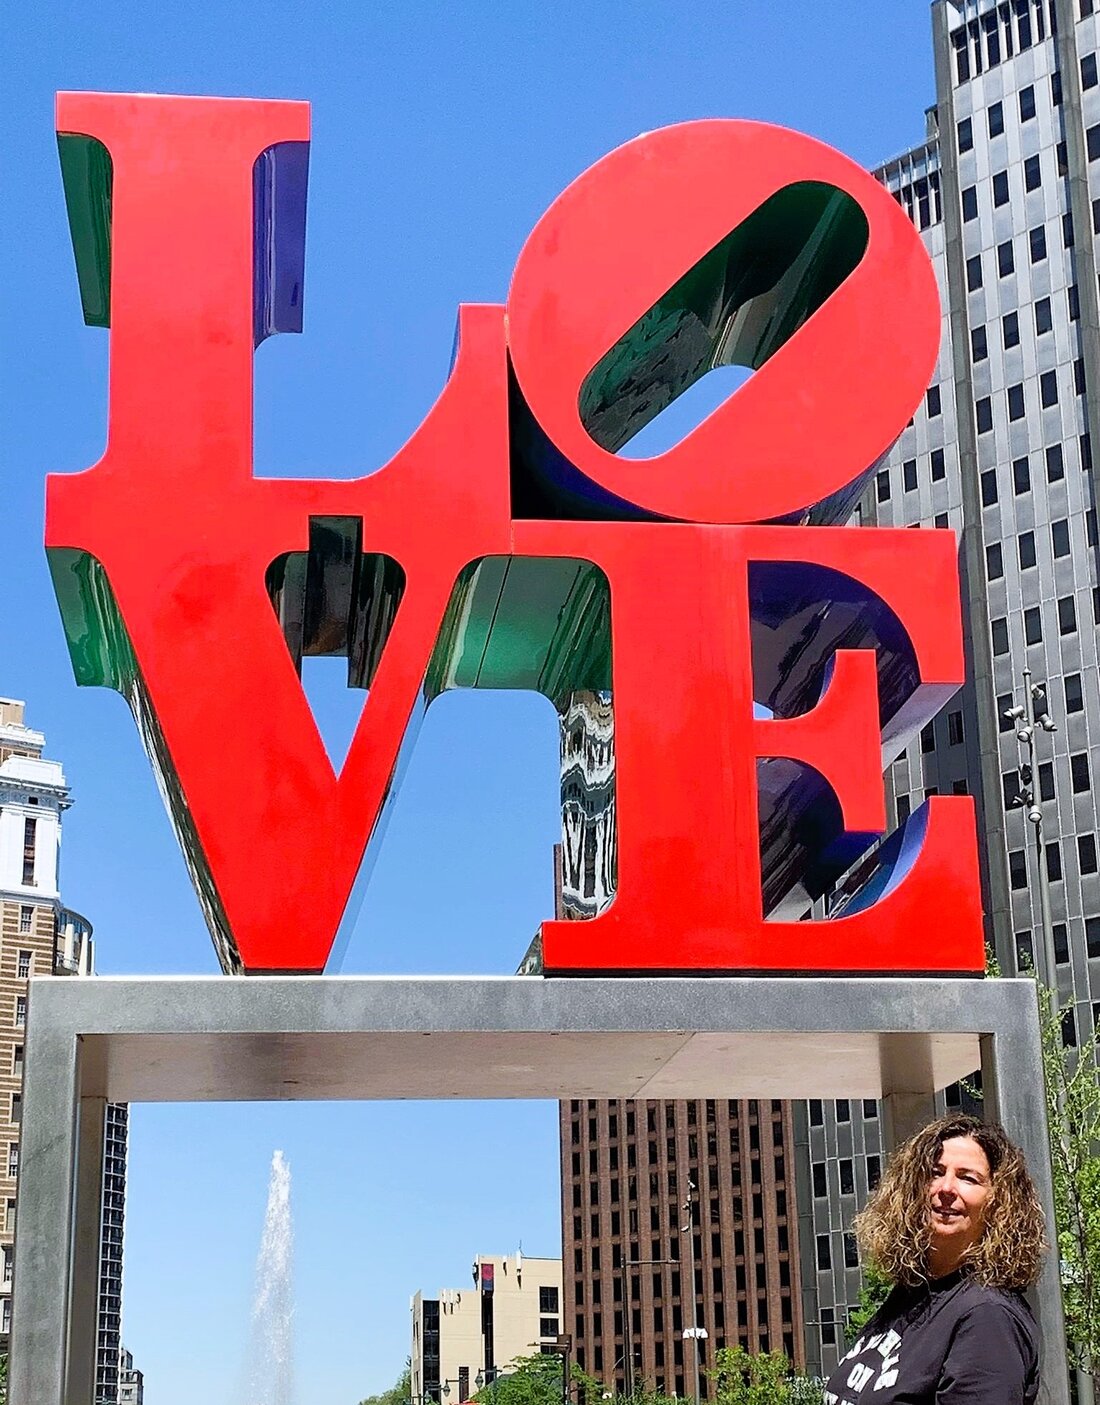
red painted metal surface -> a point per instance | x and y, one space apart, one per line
185 533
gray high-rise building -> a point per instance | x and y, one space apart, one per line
1005 190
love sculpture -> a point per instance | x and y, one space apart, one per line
755 664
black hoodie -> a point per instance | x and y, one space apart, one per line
948 1342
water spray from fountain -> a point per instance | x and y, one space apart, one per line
271 1365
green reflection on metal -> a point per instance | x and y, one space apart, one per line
88 176
736 307
98 643
542 624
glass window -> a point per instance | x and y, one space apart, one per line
983 414
870 1108
1092 142
1067 615
1025 545
847 1176
1027 103
996 119
824 1257
989 487
1021 476
1055 463
909 475
932 401
882 485
874 1171
974 273
1017 869
820 1184
1086 853
1059 537
1037 243
843 1110
1016 402
817 1113
1046 780
1067 230
1033 626
1053 856
851 1252
979 347
1010 329
1033 176
939 466
999 632
970 203
1005 262
1079 772
1088 71
1073 302
954 728
965 134
1043 319
1004 722
994 562
26 918
1075 701
1048 389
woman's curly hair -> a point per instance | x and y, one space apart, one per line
895 1229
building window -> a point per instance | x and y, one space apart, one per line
1062 157
1055 88
1004 722
1048 389
1085 446
1025 546
999 632
20 1011
817 1114
843 1110
1088 71
1067 231
1086 853
30 827
1017 869
1005 262
13 1159
983 414
851 1252
1000 188
548 1300
989 487
1043 319
1033 626
1079 772
996 119
954 728
1092 142
1075 701
1027 103
1056 467
970 204
824 1257
927 739
932 401
548 1326
974 273
17 1108
1010 330
1021 476
847 1177
882 486
9 1216
1016 402
1092 936
994 563
874 1172
23 967
1033 176
965 134
939 466
1037 243
909 475
1046 780
26 918
1067 615
979 346
1073 303
1053 855
820 1185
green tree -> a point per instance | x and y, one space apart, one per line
398 1394
528 1380
740 1378
872 1295
1073 1110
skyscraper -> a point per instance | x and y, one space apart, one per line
1005 190
678 1235
40 936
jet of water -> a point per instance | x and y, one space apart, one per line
271 1365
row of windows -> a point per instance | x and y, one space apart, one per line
1033 625
1010 324
1025 549
1010 28
847 1176
825 1256
1006 255
1048 397
843 1110
1060 932
1074 699
1021 473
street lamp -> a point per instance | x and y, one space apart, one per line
1026 723
694 1333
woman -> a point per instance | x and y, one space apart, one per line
956 1226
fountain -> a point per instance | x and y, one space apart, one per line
270 1359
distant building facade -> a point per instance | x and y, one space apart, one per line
40 936
131 1383
513 1309
677 1217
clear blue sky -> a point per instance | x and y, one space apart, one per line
440 133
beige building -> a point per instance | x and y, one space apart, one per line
40 936
513 1309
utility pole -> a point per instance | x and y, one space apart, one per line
695 1334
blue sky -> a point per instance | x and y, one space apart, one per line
440 134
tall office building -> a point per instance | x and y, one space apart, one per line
40 936
464 1337
1006 193
663 1198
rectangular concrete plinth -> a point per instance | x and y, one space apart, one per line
277 1038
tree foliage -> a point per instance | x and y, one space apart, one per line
528 1380
398 1393
872 1295
740 1378
1073 1109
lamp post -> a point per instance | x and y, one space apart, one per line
628 1347
564 1347
1023 716
695 1334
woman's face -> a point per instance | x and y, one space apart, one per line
958 1192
